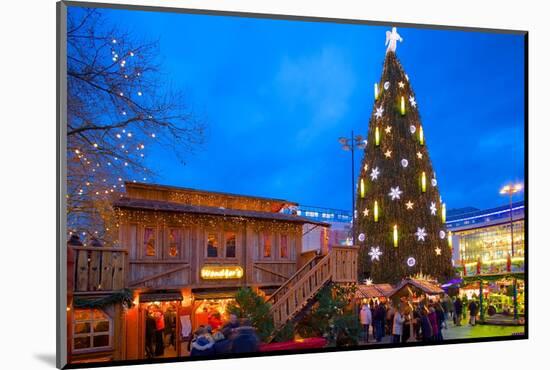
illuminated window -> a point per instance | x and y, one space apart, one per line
149 242
284 246
91 330
174 242
230 244
267 245
212 247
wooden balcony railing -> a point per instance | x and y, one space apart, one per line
339 265
98 268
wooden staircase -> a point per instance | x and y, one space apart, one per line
339 266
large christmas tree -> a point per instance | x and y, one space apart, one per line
400 220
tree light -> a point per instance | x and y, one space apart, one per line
450 239
443 213
375 211
423 182
377 136
421 135
362 187
375 91
402 106
395 237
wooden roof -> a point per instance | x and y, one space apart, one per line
373 290
205 198
425 286
164 206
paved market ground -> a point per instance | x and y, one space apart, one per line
467 331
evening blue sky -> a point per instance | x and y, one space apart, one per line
277 94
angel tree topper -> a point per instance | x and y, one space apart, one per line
391 40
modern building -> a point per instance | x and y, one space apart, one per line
490 264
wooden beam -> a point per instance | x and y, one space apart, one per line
160 274
271 272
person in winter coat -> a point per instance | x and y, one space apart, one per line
397 327
426 327
203 345
432 316
379 321
458 311
441 323
472 307
365 316
230 327
246 340
222 344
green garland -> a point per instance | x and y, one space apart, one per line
124 296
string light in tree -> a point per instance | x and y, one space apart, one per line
375 211
450 239
443 213
386 85
412 129
404 163
402 106
395 193
375 253
434 182
423 181
388 129
375 91
377 136
421 234
362 187
421 135
433 209
366 167
395 236
419 155
442 234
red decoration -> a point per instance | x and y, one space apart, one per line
297 344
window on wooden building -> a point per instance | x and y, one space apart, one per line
267 245
212 246
149 242
92 330
174 242
283 248
230 244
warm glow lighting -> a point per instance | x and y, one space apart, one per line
421 135
136 300
395 237
443 213
222 272
375 211
511 188
362 188
376 91
402 106
450 239
423 182
377 136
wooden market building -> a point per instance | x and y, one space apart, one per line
187 252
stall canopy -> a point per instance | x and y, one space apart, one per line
158 297
417 287
370 291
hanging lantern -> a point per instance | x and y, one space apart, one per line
395 236
375 91
443 213
402 107
421 135
362 187
377 136
450 239
375 211
423 182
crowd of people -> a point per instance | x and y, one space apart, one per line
236 336
419 321
160 330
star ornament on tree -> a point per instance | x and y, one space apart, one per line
395 193
438 251
374 173
379 112
375 253
401 84
366 212
412 101
366 167
409 205
433 209
388 129
419 155
421 234
387 154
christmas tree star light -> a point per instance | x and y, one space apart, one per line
366 212
401 84
419 155
375 253
374 173
409 205
433 209
387 154
421 234
379 112
438 251
412 101
395 193
388 129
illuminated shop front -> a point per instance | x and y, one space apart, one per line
490 264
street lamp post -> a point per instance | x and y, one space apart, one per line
510 190
349 144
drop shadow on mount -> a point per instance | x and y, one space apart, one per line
46 358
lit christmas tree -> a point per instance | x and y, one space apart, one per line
400 221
